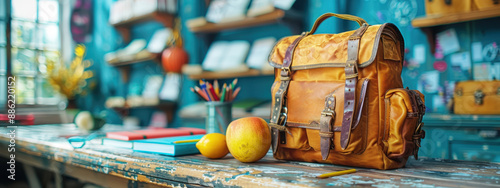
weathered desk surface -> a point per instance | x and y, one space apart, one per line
43 147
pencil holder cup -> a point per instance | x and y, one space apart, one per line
218 116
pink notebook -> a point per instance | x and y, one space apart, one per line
154 133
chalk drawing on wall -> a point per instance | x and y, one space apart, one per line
403 11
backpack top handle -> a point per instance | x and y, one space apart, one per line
323 17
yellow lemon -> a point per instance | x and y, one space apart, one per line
213 146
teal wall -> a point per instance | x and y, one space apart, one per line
105 38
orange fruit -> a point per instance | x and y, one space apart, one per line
248 139
213 146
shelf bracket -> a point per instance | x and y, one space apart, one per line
124 71
125 32
167 20
431 38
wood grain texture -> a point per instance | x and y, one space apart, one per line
271 17
46 147
230 74
436 20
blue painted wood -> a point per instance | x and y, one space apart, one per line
43 146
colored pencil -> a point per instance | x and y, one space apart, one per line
233 84
223 95
228 93
236 91
186 141
192 89
201 93
338 173
204 89
216 88
212 93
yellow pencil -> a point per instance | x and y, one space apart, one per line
216 88
338 173
186 141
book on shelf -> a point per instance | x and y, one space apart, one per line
260 7
154 133
172 146
235 10
227 11
259 52
226 55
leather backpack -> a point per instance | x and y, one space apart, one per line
339 98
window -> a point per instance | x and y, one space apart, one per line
3 54
34 40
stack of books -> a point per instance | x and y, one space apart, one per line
166 141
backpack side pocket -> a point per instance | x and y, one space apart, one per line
403 127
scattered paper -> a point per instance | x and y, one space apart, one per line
439 51
495 70
477 51
457 74
461 59
449 41
482 71
419 53
430 81
438 103
449 89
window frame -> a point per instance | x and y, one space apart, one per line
37 49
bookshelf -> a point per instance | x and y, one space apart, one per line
124 65
152 57
207 31
428 23
437 20
124 26
223 74
273 17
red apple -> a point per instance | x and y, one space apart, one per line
174 58
248 139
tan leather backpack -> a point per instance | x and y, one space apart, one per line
339 98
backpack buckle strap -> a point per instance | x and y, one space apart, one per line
326 131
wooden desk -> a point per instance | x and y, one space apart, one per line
43 147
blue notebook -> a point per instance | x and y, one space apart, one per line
117 143
166 146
